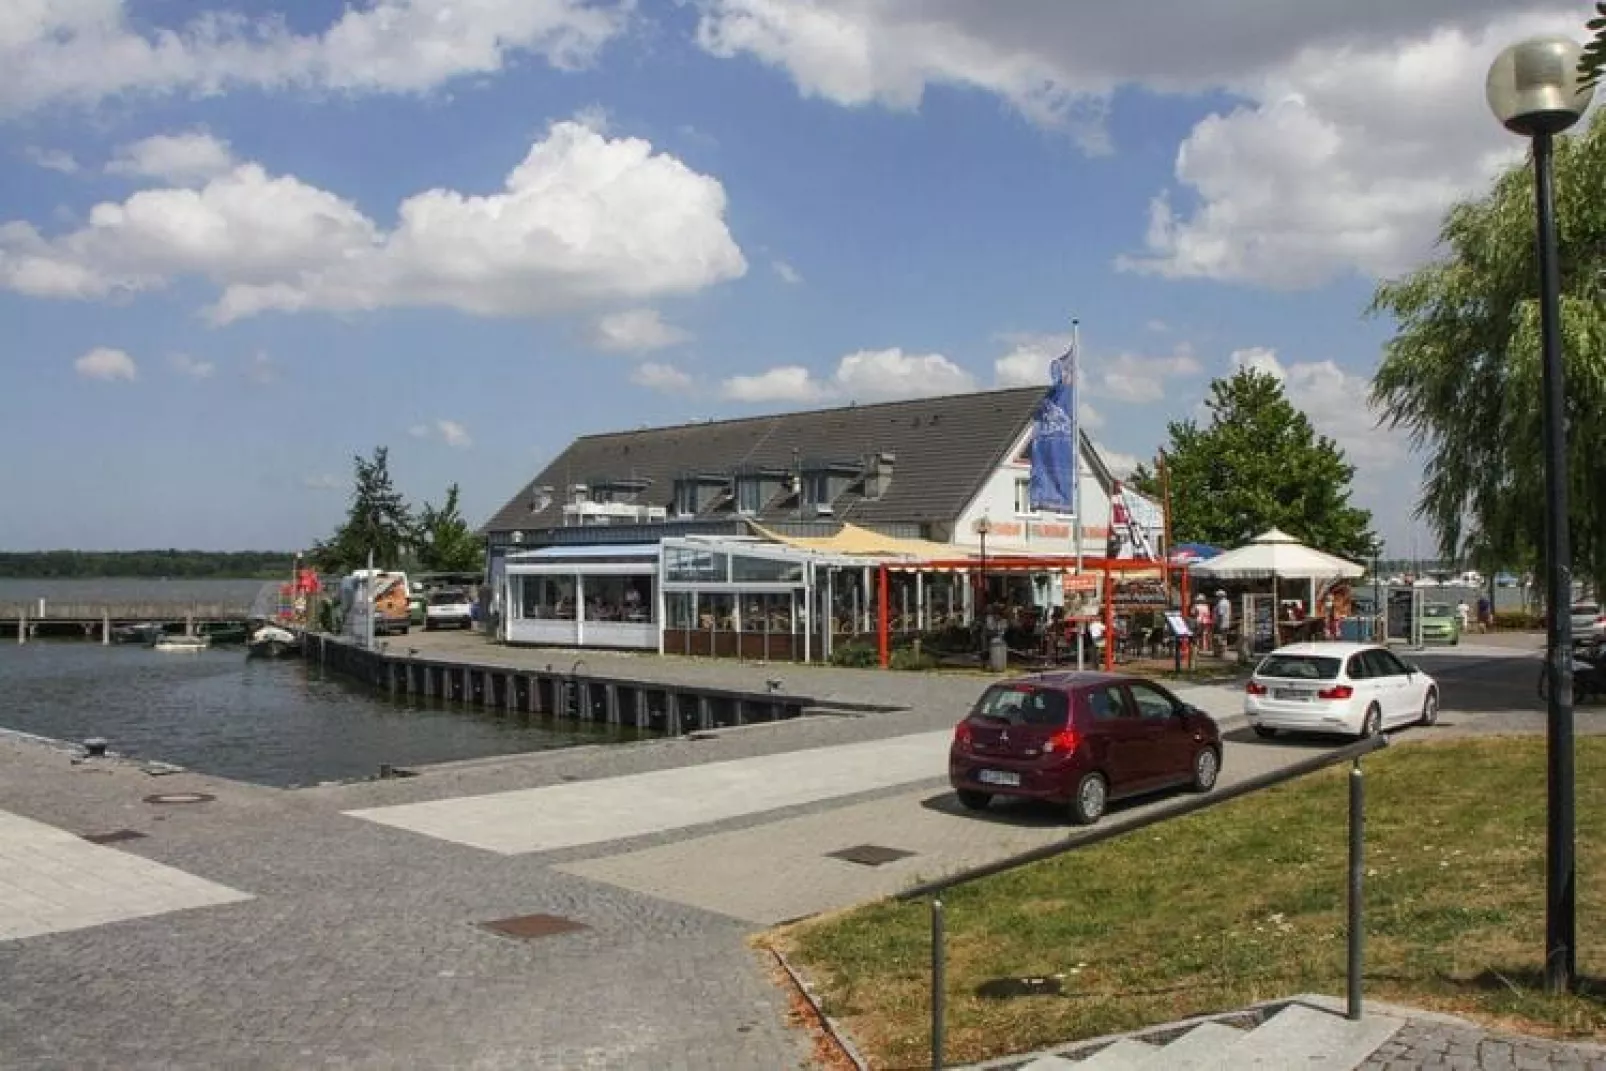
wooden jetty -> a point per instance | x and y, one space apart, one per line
37 618
671 708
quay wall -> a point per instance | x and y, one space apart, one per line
670 708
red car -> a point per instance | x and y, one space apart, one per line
1081 740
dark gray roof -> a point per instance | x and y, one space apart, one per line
944 448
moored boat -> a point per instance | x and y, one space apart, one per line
146 632
182 643
271 641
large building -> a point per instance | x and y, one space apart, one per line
626 538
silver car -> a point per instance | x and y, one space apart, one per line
1589 623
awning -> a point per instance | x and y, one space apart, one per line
588 552
853 540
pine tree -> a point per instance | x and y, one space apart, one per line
378 521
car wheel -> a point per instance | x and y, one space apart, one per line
1265 732
1430 708
1372 724
972 800
1092 796
1206 768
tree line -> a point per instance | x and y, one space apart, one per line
172 563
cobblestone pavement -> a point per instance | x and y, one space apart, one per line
360 946
1429 1044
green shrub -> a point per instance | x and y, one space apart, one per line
910 658
854 654
1517 621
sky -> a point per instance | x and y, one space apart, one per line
240 245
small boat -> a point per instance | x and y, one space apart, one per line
271 641
146 632
223 632
182 643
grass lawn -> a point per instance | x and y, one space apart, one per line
1245 902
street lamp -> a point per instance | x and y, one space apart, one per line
983 525
1534 91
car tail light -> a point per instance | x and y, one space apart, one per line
1337 691
962 734
1255 688
1065 740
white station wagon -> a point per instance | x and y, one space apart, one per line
1355 688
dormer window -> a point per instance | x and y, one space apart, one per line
817 488
749 494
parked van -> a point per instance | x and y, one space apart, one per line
391 599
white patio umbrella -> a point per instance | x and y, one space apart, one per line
1273 554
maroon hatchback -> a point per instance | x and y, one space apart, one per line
1081 739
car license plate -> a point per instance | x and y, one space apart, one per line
998 777
1292 693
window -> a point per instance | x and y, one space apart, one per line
1106 704
680 609
1024 705
1023 495
686 497
716 613
816 489
765 571
1299 667
1153 704
749 494
619 598
1358 669
1383 664
549 598
767 613
690 565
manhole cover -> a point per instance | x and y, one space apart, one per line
870 854
180 797
529 927
114 836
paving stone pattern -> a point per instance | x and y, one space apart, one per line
1433 1045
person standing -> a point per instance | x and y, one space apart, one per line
1222 621
1463 614
1485 614
1201 621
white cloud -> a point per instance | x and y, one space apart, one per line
261 370
1091 418
449 432
105 363
84 51
182 159
1119 464
193 367
787 273
1353 127
1026 363
51 159
665 378
1129 377
787 383
582 220
635 331
1336 403
866 376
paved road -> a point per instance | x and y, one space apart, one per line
336 938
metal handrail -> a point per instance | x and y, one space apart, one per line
1351 753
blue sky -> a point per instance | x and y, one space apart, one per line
239 246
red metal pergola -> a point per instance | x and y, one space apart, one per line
1014 564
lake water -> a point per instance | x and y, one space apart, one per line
273 722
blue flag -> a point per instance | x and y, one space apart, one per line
1054 448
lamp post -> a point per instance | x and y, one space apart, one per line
983 525
1534 91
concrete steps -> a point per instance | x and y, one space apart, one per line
1299 1036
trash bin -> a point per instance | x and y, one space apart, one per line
1355 629
997 655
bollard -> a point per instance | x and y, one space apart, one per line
1357 862
22 626
997 655
105 627
938 983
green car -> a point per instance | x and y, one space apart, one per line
1440 624
415 608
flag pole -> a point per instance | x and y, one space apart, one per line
1076 470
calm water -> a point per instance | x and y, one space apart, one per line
272 722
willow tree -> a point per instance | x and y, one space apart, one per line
1462 372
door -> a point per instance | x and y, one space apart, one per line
1116 734
1388 673
1167 743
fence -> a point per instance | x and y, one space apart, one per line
1352 753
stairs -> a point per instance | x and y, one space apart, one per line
1298 1036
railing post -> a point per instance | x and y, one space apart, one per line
939 984
1357 873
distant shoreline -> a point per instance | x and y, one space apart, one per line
154 565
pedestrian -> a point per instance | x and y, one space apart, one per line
1463 615
1485 614
1201 620
1222 620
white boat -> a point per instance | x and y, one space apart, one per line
182 643
271 641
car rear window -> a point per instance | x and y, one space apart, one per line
1299 667
447 598
1024 705
1585 608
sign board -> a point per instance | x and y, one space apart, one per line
1141 595
1178 624
1081 583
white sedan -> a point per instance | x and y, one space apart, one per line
1355 688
